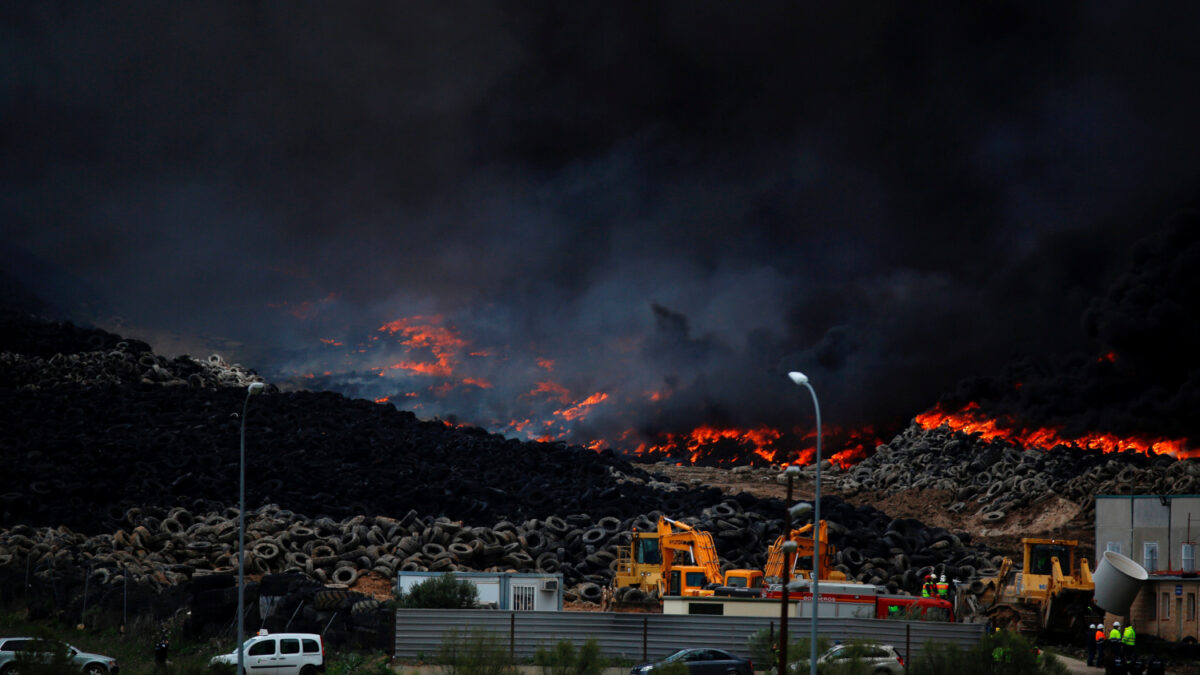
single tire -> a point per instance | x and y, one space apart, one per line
557 526
594 535
344 575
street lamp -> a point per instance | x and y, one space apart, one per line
254 388
789 547
802 380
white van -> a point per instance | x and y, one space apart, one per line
280 654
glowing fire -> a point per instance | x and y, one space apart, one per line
971 420
727 445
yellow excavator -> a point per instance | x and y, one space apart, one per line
1040 598
675 559
802 558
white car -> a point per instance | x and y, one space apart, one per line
879 658
14 650
279 654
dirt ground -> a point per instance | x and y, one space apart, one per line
1051 517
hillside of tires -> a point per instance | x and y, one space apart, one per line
122 471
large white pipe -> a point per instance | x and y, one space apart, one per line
1118 580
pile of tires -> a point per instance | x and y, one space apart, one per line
992 478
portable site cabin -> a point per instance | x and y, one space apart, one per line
519 591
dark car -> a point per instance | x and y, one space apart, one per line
701 661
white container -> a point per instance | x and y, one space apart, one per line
1118 580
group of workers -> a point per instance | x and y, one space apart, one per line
1119 643
937 588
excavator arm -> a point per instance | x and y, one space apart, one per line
804 549
675 537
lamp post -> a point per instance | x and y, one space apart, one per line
254 388
789 547
802 380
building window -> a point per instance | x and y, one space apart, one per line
1150 556
522 598
1166 610
1191 606
1188 555
1114 546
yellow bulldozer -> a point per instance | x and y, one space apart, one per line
1040 598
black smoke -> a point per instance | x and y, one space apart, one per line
671 203
1144 380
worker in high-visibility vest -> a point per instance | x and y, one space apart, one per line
943 588
1127 639
929 589
1114 641
1098 641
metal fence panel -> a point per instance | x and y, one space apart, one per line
637 637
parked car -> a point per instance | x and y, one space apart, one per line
280 654
15 650
880 658
701 661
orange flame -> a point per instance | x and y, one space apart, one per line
971 420
552 390
728 445
580 410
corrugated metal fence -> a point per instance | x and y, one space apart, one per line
638 637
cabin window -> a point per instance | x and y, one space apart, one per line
1150 556
522 598
1188 556
647 552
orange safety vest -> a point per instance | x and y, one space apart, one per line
1099 635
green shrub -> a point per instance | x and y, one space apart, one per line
477 652
563 659
672 668
357 663
763 649
1001 653
444 592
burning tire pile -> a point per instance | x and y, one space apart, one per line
123 466
992 478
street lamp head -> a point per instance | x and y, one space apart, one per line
798 377
799 509
255 388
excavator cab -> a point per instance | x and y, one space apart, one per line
646 551
1039 557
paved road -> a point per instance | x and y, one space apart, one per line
1078 667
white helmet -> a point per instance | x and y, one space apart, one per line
1116 623
943 579
1092 627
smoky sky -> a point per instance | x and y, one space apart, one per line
669 203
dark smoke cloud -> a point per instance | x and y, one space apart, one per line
682 198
